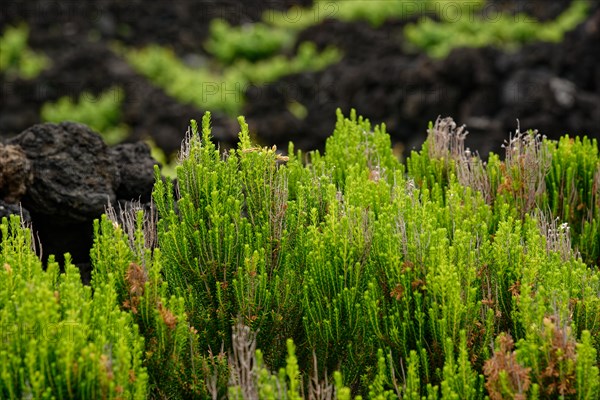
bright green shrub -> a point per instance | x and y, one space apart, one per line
222 90
574 184
506 31
16 58
398 280
124 253
165 70
370 150
561 179
59 341
376 12
269 70
251 42
418 265
230 240
102 113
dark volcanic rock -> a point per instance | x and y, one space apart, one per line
552 87
75 238
136 169
7 209
73 177
74 174
15 173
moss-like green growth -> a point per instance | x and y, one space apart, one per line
432 265
16 59
466 28
220 88
102 113
250 42
375 12
573 184
58 340
444 25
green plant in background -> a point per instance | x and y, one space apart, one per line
468 29
375 12
464 23
58 340
222 90
168 162
307 59
101 113
251 54
250 42
16 59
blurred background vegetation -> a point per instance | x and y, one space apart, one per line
140 72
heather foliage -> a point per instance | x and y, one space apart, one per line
57 340
16 58
346 254
222 88
353 274
124 252
490 27
251 41
440 26
102 113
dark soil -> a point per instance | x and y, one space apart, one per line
552 87
485 88
76 36
64 176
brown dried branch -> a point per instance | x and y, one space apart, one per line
446 139
136 278
527 162
126 218
167 316
558 237
504 363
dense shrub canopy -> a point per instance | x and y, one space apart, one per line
444 277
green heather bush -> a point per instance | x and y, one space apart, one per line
574 182
443 26
16 59
354 274
223 88
424 266
251 42
466 29
57 339
102 113
124 253
375 12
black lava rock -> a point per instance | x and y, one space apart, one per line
136 169
74 175
15 173
7 209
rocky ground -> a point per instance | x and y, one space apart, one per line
554 88
63 174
